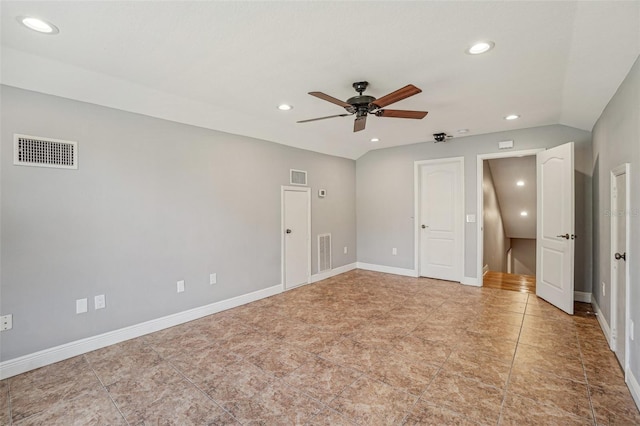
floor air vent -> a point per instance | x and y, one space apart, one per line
324 252
44 152
298 177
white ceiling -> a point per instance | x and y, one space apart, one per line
513 199
227 65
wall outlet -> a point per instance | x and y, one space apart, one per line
346 250
180 286
81 306
99 302
394 251
6 322
603 289
213 278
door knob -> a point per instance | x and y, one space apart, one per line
288 231
424 226
622 256
565 236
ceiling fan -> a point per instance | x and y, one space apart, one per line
362 105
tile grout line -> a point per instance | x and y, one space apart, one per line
440 368
9 402
176 369
84 356
513 360
586 379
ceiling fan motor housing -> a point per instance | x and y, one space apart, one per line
361 103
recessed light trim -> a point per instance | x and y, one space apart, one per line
480 47
38 25
285 107
375 140
512 117
520 183
524 213
461 131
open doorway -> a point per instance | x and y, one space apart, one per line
509 223
555 222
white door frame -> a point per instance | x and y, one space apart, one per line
620 170
417 165
480 198
284 188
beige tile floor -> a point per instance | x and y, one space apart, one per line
360 348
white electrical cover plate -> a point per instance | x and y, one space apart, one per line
505 145
99 301
81 306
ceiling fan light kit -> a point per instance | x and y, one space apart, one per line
363 105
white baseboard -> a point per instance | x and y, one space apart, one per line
581 296
387 269
39 359
332 273
634 387
471 281
603 322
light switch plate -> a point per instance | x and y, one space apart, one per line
81 306
180 286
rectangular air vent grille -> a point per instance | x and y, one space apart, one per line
298 177
324 252
44 152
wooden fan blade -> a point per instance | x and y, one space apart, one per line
331 99
401 113
359 123
398 95
323 118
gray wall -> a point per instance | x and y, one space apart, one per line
523 256
616 140
385 196
495 242
152 202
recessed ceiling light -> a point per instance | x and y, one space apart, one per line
520 183
284 107
480 47
512 117
39 25
523 213
375 140
463 130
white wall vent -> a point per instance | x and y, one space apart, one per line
44 152
298 177
324 252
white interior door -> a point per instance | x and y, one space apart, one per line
618 263
440 221
556 238
296 224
